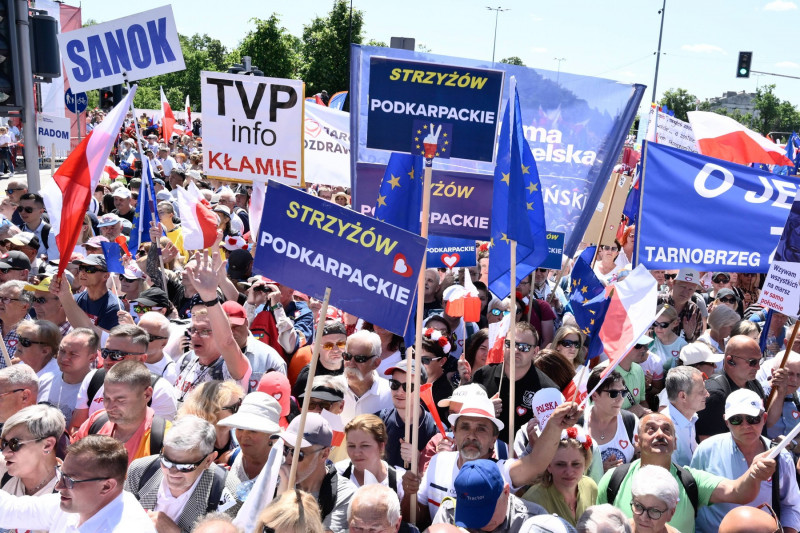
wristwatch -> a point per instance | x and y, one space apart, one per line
276 306
211 303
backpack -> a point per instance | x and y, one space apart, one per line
328 492
628 420
157 429
686 478
99 377
217 485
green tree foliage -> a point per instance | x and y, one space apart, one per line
272 48
680 101
513 60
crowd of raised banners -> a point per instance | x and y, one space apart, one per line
419 316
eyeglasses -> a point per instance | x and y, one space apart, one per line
613 393
199 332
15 444
233 408
6 299
26 209
115 355
521 346
360 359
662 325
654 513
289 451
90 269
728 300
26 342
154 338
396 385
736 420
12 191
670 276
721 279
429 360
42 300
499 312
607 248
11 392
315 404
768 508
569 344
180 467
69 482
542 270
329 345
752 363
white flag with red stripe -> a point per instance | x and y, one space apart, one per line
724 138
497 337
199 222
68 192
188 107
167 118
112 170
337 427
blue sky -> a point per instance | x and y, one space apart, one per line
614 39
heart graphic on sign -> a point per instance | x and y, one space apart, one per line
636 392
312 127
795 415
451 260
623 443
401 266
521 411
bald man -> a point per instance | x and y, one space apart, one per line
748 519
374 508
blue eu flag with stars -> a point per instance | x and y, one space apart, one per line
587 301
145 206
517 206
113 253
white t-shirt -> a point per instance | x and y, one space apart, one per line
47 375
194 374
166 368
619 447
164 402
61 395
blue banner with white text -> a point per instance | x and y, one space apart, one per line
709 214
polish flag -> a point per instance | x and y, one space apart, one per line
497 338
68 192
167 118
188 107
465 302
630 314
112 170
337 427
724 138
198 220
256 208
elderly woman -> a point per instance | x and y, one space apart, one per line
654 497
568 341
565 489
720 322
497 309
37 346
667 344
28 446
214 401
294 511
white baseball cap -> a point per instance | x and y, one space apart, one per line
743 402
462 393
689 275
477 407
699 352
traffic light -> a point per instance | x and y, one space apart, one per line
743 70
106 98
10 95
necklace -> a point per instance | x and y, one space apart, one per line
37 487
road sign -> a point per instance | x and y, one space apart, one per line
77 103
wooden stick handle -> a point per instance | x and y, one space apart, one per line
773 393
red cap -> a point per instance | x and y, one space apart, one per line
276 385
236 313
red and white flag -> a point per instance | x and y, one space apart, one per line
167 118
724 138
337 427
188 107
68 192
199 222
112 170
497 338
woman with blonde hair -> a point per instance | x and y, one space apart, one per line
721 320
569 342
214 401
294 511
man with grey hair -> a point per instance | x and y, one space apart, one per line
183 483
374 508
327 393
19 388
603 518
366 392
15 302
687 394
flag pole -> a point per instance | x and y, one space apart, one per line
6 357
415 407
605 218
774 392
512 351
409 397
312 368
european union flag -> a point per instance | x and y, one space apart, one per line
145 206
517 206
400 196
587 301
113 253
444 140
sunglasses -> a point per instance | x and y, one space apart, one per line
25 209
721 279
115 355
154 338
233 408
736 420
42 300
396 385
752 363
12 191
360 359
569 344
15 444
542 270
11 392
289 451
329 345
521 346
180 467
606 248
768 508
69 482
499 312
315 404
142 309
670 276
27 343
653 512
728 300
90 269
429 360
662 325
613 393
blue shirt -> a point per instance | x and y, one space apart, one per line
102 312
790 416
303 319
685 436
396 431
720 455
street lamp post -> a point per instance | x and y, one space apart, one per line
497 11
558 72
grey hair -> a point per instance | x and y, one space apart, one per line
191 432
166 205
216 522
722 316
40 420
25 296
20 376
374 497
336 383
603 518
652 480
370 337
680 379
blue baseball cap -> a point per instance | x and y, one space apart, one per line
478 485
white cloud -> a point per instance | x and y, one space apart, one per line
787 64
538 50
780 5
702 48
